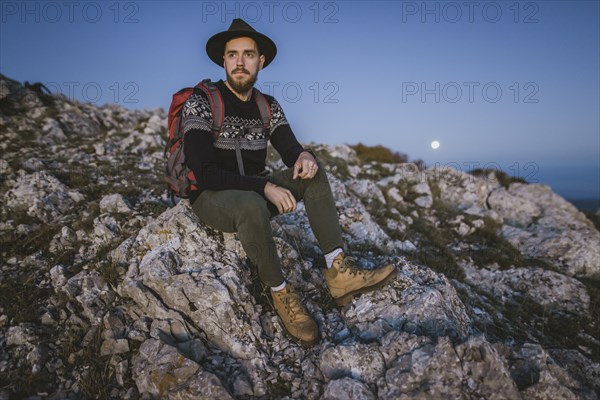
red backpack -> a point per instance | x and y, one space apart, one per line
180 179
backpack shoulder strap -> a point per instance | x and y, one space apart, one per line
265 110
216 104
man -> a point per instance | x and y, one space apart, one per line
241 198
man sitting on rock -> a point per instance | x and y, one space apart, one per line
242 199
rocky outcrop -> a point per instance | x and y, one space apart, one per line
544 225
107 291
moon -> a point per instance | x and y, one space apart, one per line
435 144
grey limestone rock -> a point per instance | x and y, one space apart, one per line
41 195
552 229
367 190
177 311
347 389
540 377
115 203
417 301
184 274
464 190
560 295
443 370
358 361
162 372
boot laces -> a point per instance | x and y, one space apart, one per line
349 264
292 304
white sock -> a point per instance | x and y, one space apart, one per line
278 288
329 257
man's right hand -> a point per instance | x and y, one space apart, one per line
282 198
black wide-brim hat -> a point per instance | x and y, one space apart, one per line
215 47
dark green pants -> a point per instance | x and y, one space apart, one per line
248 214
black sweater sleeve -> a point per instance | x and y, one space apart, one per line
282 137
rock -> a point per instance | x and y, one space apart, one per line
52 132
41 195
114 346
394 194
580 367
115 203
539 377
156 125
105 230
514 209
367 190
416 301
396 343
344 152
79 121
121 371
357 224
463 229
422 188
64 240
20 335
192 275
88 288
359 361
472 370
408 172
464 190
177 308
424 201
347 388
561 235
559 295
426 198
100 149
354 170
160 371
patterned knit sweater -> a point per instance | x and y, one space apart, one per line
214 160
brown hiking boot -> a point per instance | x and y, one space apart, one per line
345 279
295 319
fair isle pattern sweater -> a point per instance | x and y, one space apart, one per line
214 161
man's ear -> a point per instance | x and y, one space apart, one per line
262 61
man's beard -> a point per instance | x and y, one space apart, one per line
243 85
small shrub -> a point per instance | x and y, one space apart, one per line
21 298
488 247
434 249
153 208
32 242
97 378
503 178
110 272
594 217
378 153
592 286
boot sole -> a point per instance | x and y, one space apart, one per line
347 298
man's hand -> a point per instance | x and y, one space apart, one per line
281 197
305 166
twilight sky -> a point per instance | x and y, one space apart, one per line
505 84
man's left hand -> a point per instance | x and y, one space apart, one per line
305 166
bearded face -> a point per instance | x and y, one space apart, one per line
242 62
241 80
